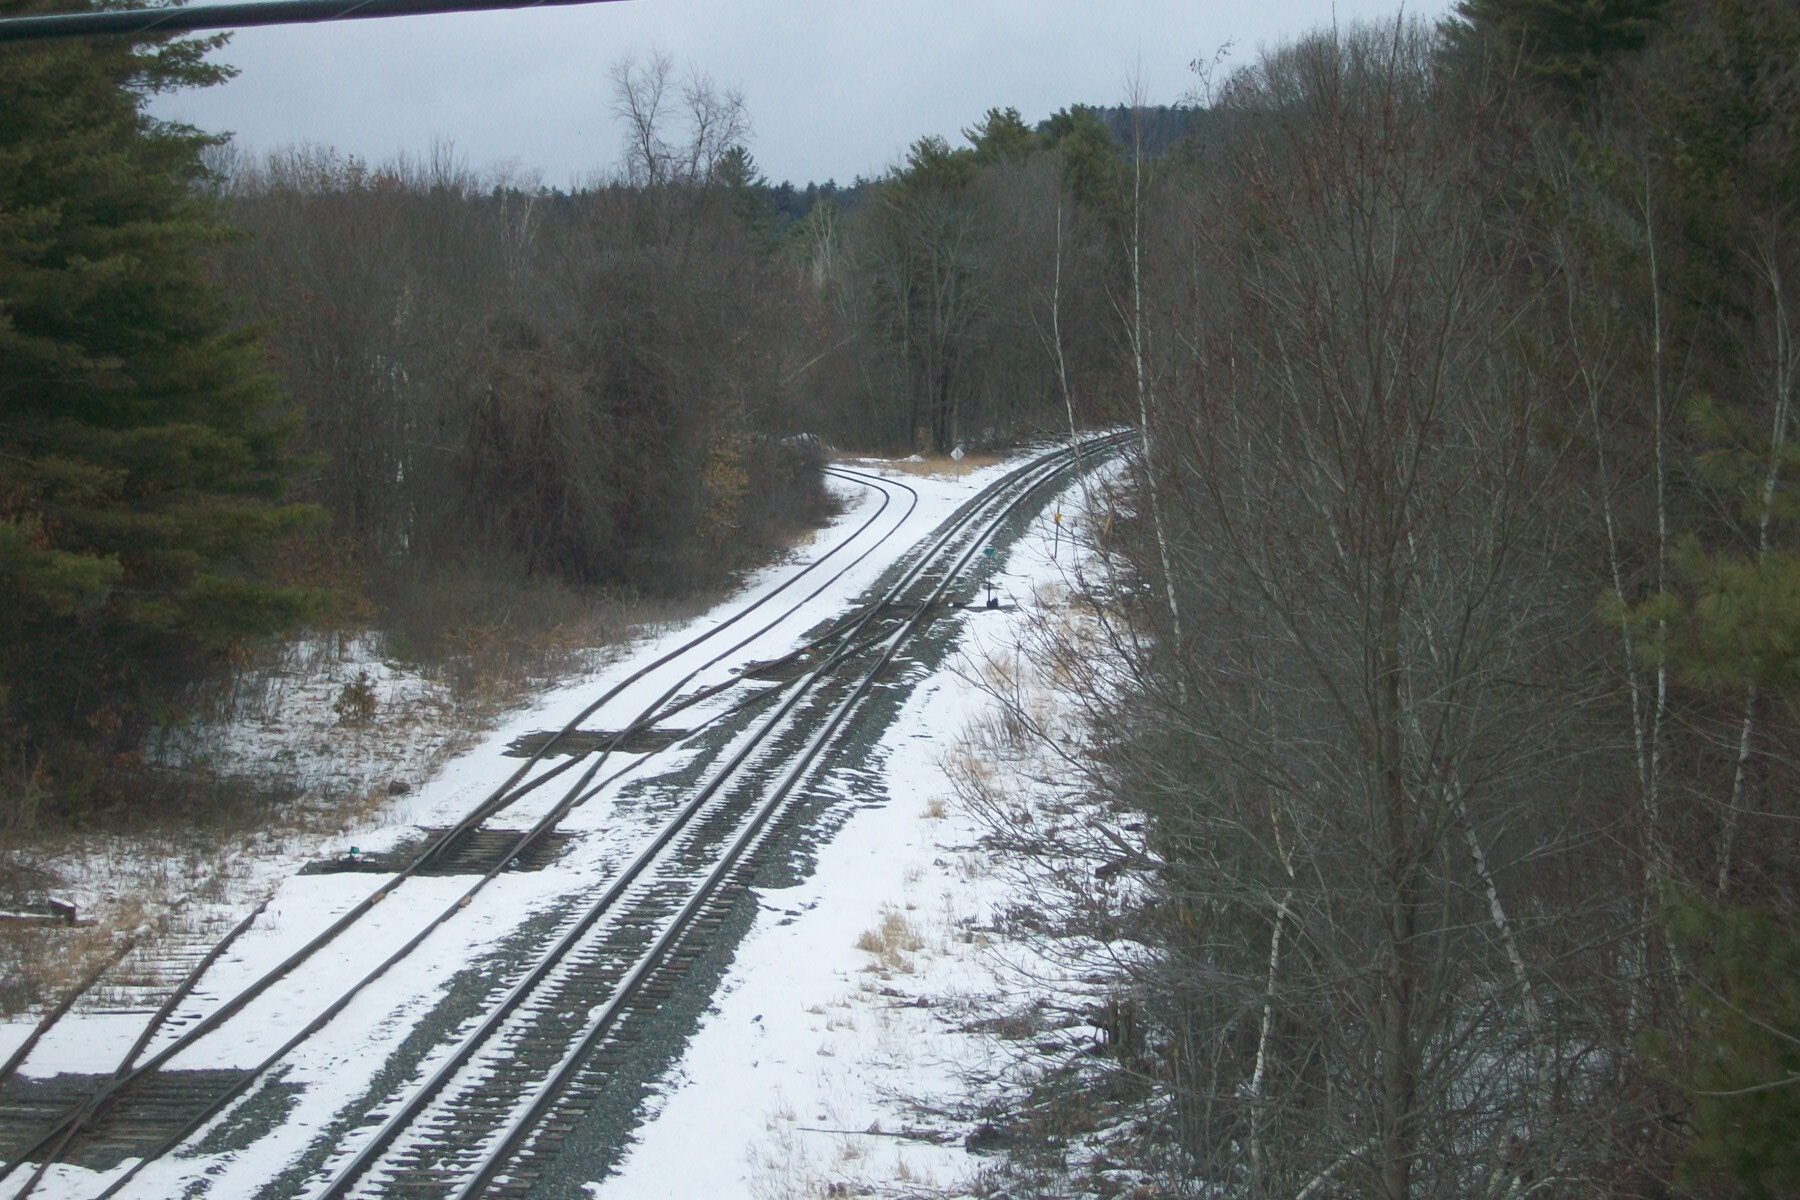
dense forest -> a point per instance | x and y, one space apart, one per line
1445 675
1452 683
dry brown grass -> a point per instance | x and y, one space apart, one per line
892 943
165 877
166 881
493 641
939 465
40 964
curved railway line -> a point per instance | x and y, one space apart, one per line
131 1077
484 1116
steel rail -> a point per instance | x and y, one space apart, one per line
65 1127
494 802
750 834
84 1111
397 1121
505 795
346 1177
667 833
49 1020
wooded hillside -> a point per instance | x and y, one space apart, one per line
1452 678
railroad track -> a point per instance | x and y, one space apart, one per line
85 1118
485 1116
484 1121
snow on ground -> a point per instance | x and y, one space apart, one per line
843 1018
300 732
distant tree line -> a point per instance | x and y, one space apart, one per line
1158 129
967 297
583 386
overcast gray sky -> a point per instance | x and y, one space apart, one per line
834 89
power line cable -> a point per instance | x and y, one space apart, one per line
158 22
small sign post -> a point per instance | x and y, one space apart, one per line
956 456
992 601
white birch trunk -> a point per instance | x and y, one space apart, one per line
1658 866
1056 339
1785 370
1144 391
1262 1040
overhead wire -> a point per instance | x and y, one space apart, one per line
165 20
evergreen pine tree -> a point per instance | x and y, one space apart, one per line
1563 42
1001 136
140 450
1090 157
